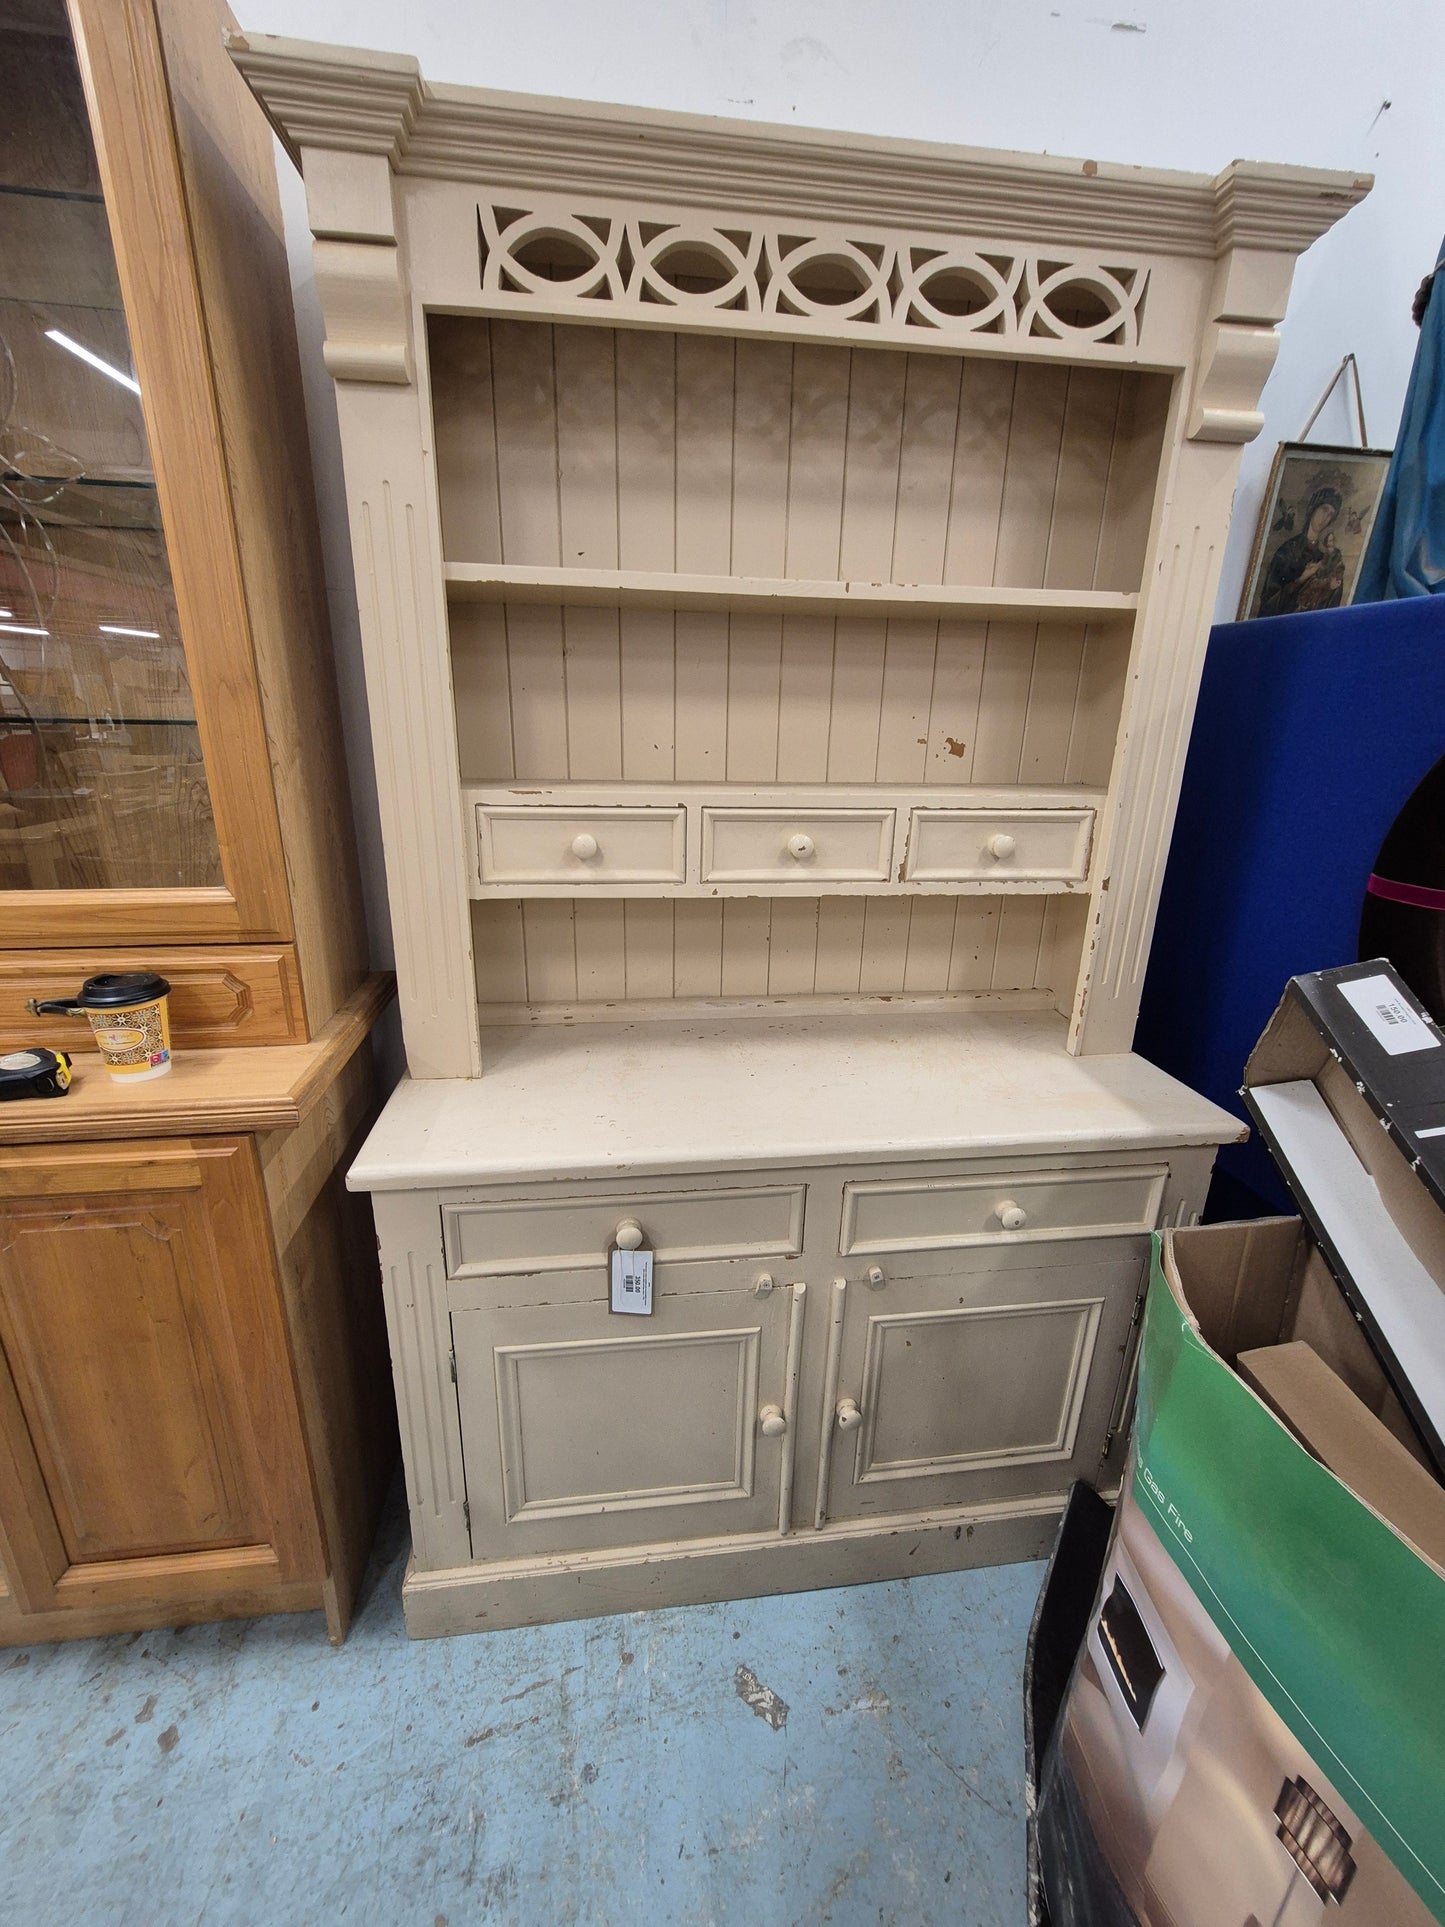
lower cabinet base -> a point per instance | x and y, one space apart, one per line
195 1414
894 1358
99 1622
491 1598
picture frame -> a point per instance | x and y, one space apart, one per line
1303 556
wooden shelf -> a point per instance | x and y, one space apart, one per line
261 1087
786 796
648 589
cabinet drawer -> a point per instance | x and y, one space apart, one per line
497 1236
999 846
517 844
796 846
931 1214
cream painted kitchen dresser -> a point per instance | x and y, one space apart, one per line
784 563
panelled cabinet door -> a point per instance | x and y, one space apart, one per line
585 1428
150 1442
985 1376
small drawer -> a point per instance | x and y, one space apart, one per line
496 1237
796 846
934 1214
520 844
999 846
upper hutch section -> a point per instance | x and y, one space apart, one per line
784 557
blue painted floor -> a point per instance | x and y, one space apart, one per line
849 1756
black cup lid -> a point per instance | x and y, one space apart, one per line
117 989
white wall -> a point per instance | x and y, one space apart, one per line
1353 84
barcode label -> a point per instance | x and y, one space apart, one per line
632 1282
1397 1028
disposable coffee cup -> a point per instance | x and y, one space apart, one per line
129 1015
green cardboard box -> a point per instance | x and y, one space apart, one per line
1255 1728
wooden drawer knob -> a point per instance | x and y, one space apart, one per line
1011 1216
1002 845
585 846
771 1422
848 1414
629 1235
800 847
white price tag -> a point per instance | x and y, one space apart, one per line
1388 1016
632 1282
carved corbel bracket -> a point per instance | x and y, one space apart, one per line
1234 365
1264 219
360 276
368 321
1247 296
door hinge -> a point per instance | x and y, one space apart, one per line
467 1514
452 1363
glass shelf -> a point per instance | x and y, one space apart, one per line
86 479
11 723
60 302
52 194
86 501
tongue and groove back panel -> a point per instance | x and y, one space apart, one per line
616 448
564 953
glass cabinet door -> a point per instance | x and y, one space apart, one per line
102 781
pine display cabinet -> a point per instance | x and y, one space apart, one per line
784 562
195 1419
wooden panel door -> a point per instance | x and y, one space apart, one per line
980 1376
583 1428
150 1440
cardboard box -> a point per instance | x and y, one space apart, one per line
1255 1729
1300 1388
1347 1086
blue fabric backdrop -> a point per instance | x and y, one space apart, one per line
1311 733
1406 555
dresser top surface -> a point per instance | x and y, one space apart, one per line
573 1101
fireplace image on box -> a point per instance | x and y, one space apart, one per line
1175 1774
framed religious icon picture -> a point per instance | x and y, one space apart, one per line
1318 511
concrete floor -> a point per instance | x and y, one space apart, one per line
849 1756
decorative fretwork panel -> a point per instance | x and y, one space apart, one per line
806 278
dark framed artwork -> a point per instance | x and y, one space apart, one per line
1318 511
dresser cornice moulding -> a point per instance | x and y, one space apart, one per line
321 97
